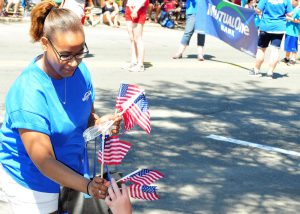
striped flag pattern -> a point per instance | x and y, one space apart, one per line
114 151
144 177
126 91
143 192
138 113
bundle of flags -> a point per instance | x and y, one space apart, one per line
114 150
141 179
132 102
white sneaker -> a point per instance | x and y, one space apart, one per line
128 66
137 68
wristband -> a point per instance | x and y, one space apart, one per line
87 187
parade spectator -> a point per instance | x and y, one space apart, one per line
135 15
251 4
272 28
77 6
47 109
191 10
291 35
118 200
110 12
16 4
154 5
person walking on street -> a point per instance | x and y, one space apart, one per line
135 15
47 109
272 27
191 10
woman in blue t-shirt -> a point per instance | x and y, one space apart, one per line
47 109
272 29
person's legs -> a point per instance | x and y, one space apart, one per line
115 19
188 32
140 48
134 57
157 12
150 9
16 8
107 18
200 45
274 55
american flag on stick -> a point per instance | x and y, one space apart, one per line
144 177
137 113
126 91
114 151
143 192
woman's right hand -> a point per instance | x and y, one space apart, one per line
97 188
134 14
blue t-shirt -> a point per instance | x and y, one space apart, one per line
292 28
273 15
36 102
191 7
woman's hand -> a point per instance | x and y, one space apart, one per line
97 188
117 120
118 201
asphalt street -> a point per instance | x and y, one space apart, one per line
190 100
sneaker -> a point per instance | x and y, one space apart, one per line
292 62
270 76
255 72
177 56
285 60
137 68
128 66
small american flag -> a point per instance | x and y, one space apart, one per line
144 177
138 113
143 192
114 151
126 91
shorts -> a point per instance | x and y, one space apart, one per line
141 15
291 44
24 200
264 39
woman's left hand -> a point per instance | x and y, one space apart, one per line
116 126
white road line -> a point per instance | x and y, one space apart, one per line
255 145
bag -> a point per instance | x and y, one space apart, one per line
74 202
165 20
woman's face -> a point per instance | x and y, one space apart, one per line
64 45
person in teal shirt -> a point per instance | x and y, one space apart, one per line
272 28
47 109
291 35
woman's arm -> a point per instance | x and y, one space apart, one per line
116 8
40 151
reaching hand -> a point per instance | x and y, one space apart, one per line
97 188
118 201
116 125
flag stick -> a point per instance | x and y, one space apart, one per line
128 175
102 150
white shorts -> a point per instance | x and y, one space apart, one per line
24 200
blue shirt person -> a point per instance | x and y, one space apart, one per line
47 109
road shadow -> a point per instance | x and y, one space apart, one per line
206 176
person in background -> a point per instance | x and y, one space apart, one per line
77 6
16 7
154 5
291 35
135 15
272 28
191 10
250 4
110 12
48 107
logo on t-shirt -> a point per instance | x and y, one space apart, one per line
86 96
